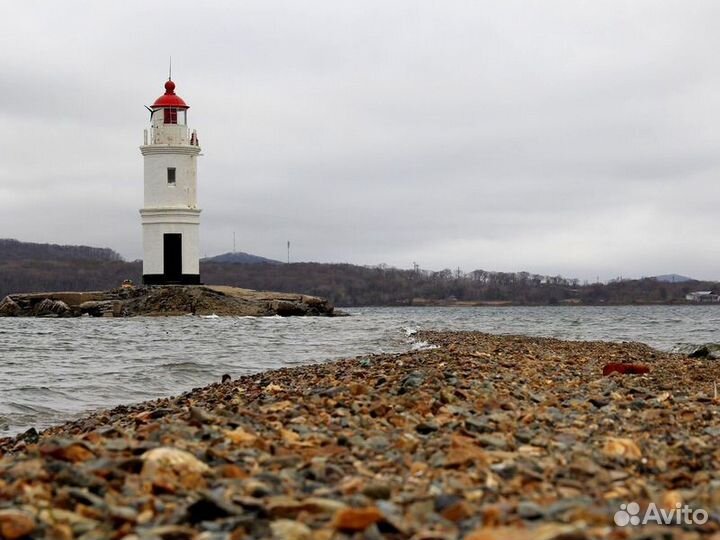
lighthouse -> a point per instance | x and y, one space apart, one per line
170 214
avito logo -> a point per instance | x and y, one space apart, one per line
629 514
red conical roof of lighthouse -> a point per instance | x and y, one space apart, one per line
169 98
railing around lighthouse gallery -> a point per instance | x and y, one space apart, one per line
171 135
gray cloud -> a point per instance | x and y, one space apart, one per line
569 137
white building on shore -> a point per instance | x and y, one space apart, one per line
170 214
703 297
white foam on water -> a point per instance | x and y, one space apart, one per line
423 346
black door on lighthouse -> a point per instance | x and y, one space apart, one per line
172 255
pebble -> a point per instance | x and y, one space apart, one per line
356 519
287 529
426 428
529 510
378 442
621 447
16 524
377 491
492 441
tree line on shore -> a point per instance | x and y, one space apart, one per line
352 285
26 267
15 250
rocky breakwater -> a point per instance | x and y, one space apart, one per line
164 300
484 438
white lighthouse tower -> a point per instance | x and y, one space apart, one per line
170 216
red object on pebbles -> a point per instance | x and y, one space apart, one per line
625 369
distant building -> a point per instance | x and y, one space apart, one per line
703 297
170 217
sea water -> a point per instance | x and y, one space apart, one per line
53 370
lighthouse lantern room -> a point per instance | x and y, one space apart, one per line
170 216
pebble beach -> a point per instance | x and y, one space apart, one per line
482 437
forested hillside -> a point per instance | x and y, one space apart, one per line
351 285
38 267
14 250
65 275
29 267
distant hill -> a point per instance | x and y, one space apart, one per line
30 267
239 257
673 278
14 250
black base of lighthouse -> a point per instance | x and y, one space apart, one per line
162 279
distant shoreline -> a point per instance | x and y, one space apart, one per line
483 303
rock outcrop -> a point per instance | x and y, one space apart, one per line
9 308
165 300
52 308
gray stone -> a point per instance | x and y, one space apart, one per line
492 441
557 509
599 401
377 491
378 442
288 309
529 510
425 428
701 352
413 380
446 500
524 436
96 308
52 308
478 424
9 308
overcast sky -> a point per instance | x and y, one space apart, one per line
563 137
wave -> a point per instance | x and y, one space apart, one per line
182 365
26 408
689 348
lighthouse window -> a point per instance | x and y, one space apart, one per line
171 175
171 116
